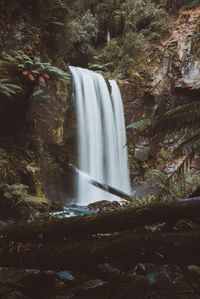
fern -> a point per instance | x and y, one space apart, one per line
181 122
180 125
148 200
140 124
34 68
40 95
17 201
59 4
8 89
178 184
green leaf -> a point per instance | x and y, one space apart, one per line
40 94
139 124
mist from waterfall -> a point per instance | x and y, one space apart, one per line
101 135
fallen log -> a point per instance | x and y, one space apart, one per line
97 184
118 220
123 249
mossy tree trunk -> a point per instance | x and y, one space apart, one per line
125 249
109 222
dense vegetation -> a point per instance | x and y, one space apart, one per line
123 39
114 36
117 36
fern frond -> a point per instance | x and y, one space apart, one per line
180 121
59 4
58 74
174 183
40 94
190 145
9 89
140 124
183 119
20 61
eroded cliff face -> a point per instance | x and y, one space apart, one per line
174 80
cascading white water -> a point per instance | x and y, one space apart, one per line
101 135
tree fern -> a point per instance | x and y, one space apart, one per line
182 122
180 125
174 184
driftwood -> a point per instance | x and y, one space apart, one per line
116 221
124 249
99 185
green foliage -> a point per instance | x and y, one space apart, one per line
33 68
9 89
109 55
123 56
139 124
157 29
149 200
180 128
84 29
132 26
31 168
179 184
83 33
58 4
180 123
39 95
16 201
17 67
58 10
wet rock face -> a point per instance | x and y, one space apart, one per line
174 80
50 127
35 131
181 64
43 131
45 119
176 76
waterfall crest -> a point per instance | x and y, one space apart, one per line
101 135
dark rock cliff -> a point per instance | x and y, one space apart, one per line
174 80
37 135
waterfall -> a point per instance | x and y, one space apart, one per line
101 135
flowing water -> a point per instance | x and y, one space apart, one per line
101 135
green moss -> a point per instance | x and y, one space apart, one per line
58 135
15 201
62 92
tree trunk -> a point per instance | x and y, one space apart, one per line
119 220
125 249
